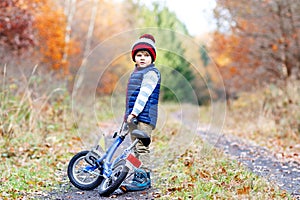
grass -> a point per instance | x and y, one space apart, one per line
29 168
36 149
35 135
199 175
269 117
202 172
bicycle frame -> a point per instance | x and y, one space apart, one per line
105 161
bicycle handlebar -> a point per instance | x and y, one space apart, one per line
125 127
134 121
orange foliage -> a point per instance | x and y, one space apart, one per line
268 51
109 79
228 49
51 26
274 47
231 54
107 83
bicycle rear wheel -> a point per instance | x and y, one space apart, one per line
80 178
119 173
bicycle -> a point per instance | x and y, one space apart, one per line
90 169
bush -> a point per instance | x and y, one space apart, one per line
282 104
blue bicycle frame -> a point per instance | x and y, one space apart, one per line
108 157
105 160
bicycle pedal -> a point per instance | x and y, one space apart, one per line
123 188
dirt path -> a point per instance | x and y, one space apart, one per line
260 161
256 158
76 194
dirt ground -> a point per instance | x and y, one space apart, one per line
256 158
76 194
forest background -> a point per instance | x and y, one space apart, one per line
255 49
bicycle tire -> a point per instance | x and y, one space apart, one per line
108 186
72 176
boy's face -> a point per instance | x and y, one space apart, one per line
142 59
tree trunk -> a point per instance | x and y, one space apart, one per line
69 10
90 30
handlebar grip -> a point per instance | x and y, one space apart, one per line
134 121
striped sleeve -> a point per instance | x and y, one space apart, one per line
147 87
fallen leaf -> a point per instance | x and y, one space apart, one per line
244 190
203 174
156 195
174 178
223 170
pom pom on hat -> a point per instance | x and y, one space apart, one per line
147 43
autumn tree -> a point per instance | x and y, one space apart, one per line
16 30
36 28
51 25
94 22
257 41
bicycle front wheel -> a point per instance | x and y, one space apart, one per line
80 178
119 173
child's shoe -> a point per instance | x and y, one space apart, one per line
140 181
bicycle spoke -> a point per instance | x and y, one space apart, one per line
84 178
79 171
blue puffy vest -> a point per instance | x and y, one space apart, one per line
149 114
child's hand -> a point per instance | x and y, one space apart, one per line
130 117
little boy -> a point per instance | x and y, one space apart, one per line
142 103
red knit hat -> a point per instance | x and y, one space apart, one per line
145 42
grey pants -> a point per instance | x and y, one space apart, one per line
140 151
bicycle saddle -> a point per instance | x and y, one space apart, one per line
141 135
